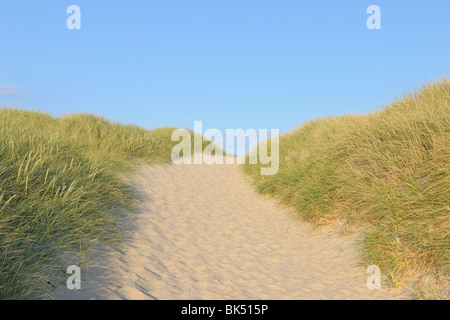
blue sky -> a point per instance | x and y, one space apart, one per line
232 64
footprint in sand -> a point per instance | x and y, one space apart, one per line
192 242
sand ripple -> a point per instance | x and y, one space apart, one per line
203 233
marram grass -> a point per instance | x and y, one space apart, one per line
386 174
61 192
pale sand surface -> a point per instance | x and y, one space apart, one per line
203 233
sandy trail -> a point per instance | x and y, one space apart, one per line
203 233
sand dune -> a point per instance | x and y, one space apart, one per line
203 233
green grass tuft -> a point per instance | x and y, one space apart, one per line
61 192
385 174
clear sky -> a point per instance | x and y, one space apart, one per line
232 64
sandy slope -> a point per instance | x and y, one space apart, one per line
203 233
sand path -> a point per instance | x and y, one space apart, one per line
203 233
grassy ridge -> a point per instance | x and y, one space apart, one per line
387 172
60 191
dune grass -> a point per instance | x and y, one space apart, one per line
385 174
61 192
